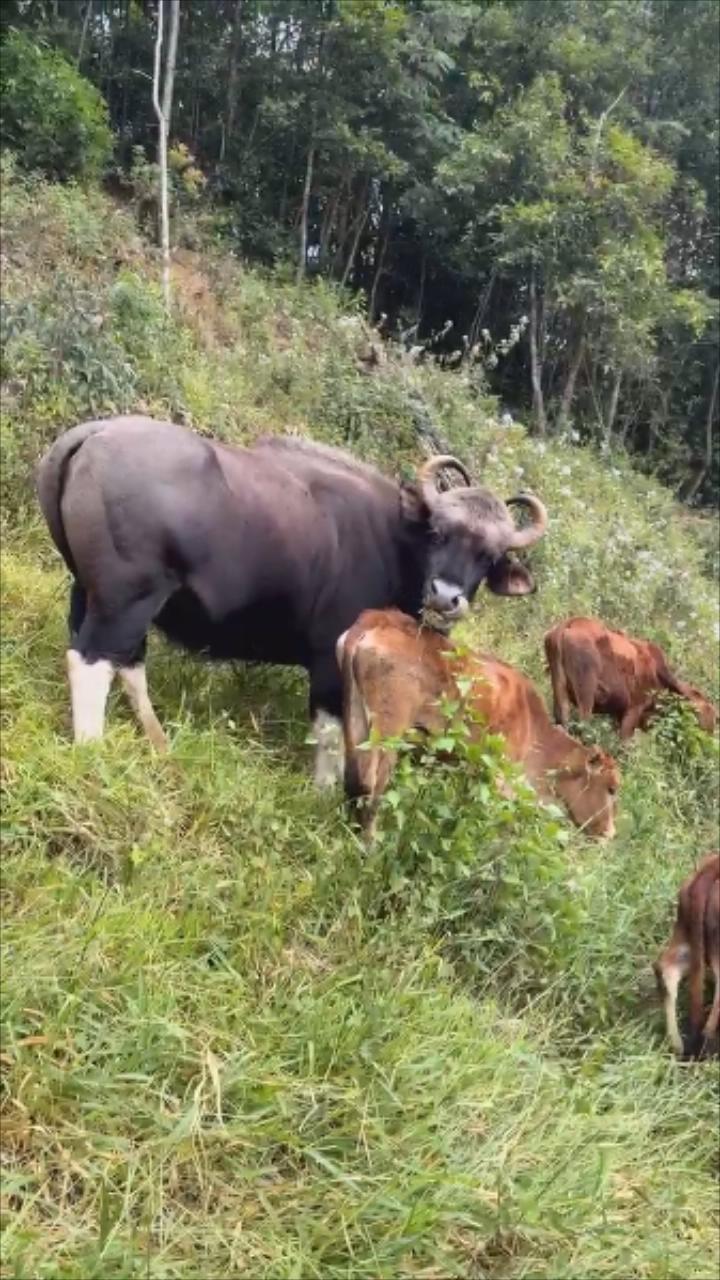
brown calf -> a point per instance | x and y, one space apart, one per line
694 947
610 673
395 672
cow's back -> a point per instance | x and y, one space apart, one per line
507 701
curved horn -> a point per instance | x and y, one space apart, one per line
528 536
427 473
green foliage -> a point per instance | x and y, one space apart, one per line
468 849
233 1041
466 161
52 117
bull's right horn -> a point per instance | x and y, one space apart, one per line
533 532
427 473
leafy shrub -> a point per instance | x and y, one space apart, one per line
52 117
468 849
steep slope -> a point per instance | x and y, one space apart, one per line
235 1044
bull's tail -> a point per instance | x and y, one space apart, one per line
50 478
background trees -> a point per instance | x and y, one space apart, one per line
473 163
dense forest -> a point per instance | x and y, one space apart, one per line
527 189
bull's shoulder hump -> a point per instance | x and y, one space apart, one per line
297 452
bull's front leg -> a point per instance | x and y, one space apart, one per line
326 717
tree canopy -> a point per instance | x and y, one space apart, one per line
545 169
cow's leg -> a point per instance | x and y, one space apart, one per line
584 684
104 640
326 717
710 1030
631 720
670 969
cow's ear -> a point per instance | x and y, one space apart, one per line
508 577
596 758
412 503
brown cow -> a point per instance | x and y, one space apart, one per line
694 947
395 672
610 673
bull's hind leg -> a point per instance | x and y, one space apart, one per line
134 682
103 641
89 688
89 680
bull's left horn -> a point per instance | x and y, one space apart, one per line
427 473
533 532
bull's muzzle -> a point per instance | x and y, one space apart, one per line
447 598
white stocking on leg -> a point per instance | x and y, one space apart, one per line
89 688
134 682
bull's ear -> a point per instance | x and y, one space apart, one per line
412 503
596 759
508 577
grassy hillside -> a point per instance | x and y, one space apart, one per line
233 1043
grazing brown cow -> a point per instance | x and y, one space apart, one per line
694 947
610 673
394 673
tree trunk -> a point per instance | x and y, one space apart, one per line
83 33
162 159
535 362
341 223
612 407
231 98
707 462
420 305
169 80
359 228
568 394
380 254
302 260
327 226
481 308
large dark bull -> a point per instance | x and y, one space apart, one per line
267 554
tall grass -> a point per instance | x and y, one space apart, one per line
233 1042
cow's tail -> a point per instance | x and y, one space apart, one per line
669 680
356 725
50 478
700 897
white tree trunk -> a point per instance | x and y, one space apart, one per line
163 117
613 406
169 78
302 259
162 159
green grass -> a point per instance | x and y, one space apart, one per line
234 1043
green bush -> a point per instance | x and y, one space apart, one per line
52 117
466 846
